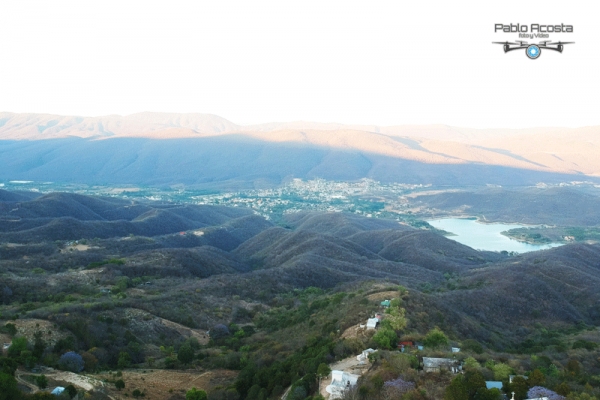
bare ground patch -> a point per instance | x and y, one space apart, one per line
388 295
28 328
162 384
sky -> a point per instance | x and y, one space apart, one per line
382 63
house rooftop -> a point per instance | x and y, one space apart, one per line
493 384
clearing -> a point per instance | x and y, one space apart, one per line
162 384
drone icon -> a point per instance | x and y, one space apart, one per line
533 51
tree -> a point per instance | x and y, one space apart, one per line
124 360
537 392
71 391
120 384
71 361
297 393
18 345
563 389
8 387
170 362
471 364
488 394
90 361
41 381
573 367
195 394
185 353
581 396
8 365
501 371
385 338
396 318
38 346
11 329
136 393
520 387
219 331
457 390
536 378
323 370
395 303
435 338
474 381
472 345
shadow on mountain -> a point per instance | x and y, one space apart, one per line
233 161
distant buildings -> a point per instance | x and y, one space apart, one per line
438 364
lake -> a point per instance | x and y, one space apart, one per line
485 236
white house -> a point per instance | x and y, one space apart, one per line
57 390
365 354
340 381
372 323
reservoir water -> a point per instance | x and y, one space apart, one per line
485 236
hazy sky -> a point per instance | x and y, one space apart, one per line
386 63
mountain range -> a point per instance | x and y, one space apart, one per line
207 150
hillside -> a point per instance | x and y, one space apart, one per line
232 251
209 151
120 277
555 206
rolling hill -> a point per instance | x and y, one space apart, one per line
221 252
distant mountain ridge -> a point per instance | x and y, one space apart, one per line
124 148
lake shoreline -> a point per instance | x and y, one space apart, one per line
481 234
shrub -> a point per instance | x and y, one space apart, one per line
18 345
219 331
471 363
435 338
323 370
195 394
186 353
472 345
385 338
11 329
41 381
71 361
584 344
501 371
124 360
70 389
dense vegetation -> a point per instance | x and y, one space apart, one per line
277 301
